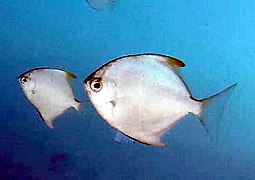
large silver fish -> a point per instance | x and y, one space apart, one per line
49 91
143 96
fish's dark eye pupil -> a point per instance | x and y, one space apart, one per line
24 80
97 85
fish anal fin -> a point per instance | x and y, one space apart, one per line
155 141
175 62
122 138
47 119
150 140
49 124
160 144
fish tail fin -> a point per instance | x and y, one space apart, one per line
77 105
212 110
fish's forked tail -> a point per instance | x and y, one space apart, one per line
212 111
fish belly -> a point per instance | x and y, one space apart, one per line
147 119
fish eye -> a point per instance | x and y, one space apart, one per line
23 80
96 85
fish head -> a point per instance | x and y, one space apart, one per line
39 78
101 89
28 83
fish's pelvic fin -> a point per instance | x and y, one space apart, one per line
175 62
212 111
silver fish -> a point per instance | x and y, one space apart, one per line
49 91
143 96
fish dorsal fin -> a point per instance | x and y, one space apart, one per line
70 75
175 62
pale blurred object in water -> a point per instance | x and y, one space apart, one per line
100 4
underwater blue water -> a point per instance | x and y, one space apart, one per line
214 38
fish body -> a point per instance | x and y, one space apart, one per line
49 91
100 4
142 96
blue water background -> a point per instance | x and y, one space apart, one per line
214 38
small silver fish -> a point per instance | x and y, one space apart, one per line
49 91
143 96
100 4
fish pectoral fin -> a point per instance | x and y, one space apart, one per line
175 62
119 101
